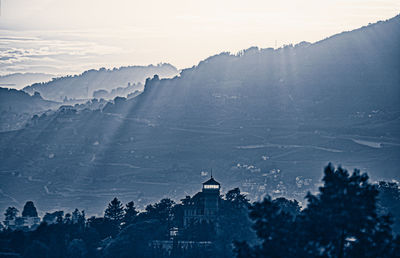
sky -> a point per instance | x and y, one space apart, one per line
67 37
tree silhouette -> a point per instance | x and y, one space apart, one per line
273 227
130 213
243 250
236 198
11 213
161 211
389 202
77 248
289 206
233 211
78 217
340 221
101 228
342 218
29 210
114 211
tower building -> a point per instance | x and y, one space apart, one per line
204 205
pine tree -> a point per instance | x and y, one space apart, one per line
114 211
130 213
342 220
78 217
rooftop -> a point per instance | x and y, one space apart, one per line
211 181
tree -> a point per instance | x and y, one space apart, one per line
114 211
67 219
161 211
134 241
37 249
29 210
78 217
199 231
234 210
289 206
102 227
59 218
389 202
236 198
274 227
243 250
11 213
17 241
130 213
55 217
77 248
342 219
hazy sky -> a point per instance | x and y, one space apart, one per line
60 36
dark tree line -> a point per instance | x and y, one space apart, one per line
340 221
348 217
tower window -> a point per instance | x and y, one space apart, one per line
211 186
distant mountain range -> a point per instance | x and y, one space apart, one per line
20 80
83 86
18 106
266 120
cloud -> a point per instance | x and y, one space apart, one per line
47 53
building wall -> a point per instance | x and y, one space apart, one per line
204 208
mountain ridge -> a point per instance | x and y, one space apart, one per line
20 80
82 86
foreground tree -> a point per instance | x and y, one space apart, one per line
77 249
234 210
274 227
340 221
289 206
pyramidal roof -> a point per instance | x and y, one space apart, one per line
211 181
